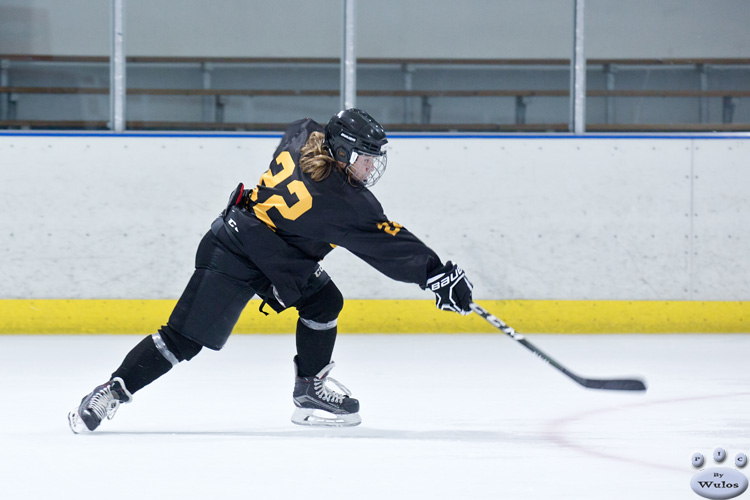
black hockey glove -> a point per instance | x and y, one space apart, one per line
236 198
452 288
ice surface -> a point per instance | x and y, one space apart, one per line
444 417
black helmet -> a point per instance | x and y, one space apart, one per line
354 132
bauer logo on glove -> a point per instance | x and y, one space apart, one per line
452 288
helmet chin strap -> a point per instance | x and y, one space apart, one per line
352 174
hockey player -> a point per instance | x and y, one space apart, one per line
268 242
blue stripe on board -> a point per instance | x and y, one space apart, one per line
395 135
129 135
739 135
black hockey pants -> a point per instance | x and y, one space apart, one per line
221 286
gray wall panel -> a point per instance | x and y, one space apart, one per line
387 28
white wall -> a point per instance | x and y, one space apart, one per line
529 218
387 28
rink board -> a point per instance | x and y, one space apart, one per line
392 316
533 217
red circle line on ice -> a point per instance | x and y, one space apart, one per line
555 430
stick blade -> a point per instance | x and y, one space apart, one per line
614 384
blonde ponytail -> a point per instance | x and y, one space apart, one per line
315 159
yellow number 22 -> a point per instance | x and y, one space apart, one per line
277 201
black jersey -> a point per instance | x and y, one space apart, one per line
291 222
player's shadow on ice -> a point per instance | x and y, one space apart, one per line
344 433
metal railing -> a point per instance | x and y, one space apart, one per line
12 96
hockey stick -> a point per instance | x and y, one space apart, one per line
591 383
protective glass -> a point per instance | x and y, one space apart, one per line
367 168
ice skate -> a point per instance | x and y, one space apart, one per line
318 405
102 402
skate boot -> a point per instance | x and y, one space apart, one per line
320 406
102 402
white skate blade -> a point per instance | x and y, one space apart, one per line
322 418
76 424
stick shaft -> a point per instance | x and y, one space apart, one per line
606 384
